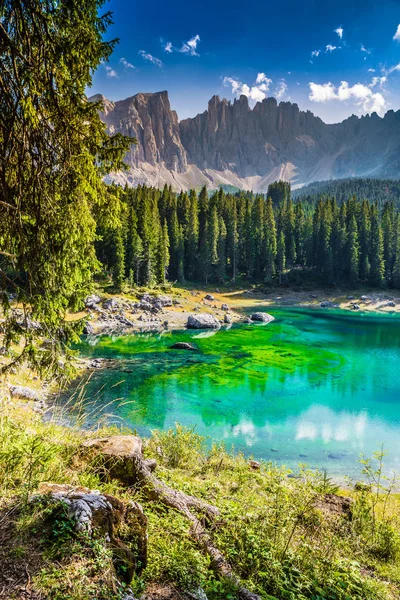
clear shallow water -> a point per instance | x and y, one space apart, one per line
314 387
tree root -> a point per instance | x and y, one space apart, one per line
183 503
122 458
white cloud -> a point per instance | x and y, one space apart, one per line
362 95
364 49
126 64
339 31
150 58
371 70
261 78
190 46
257 92
322 93
110 71
397 34
315 53
281 90
378 81
330 48
391 70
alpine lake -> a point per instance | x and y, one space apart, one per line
315 387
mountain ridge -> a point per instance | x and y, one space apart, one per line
231 143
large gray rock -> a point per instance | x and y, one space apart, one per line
92 301
262 317
26 393
121 524
202 321
111 304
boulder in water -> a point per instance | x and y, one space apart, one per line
262 317
203 321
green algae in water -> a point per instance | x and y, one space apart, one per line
313 386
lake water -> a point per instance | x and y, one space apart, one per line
314 387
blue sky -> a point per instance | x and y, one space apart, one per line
335 58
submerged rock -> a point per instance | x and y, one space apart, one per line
203 321
262 317
182 346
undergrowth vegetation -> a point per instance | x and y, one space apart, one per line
282 535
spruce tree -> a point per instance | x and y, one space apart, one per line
162 253
280 256
270 242
54 155
353 252
203 257
377 271
221 265
192 237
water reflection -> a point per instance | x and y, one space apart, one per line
315 384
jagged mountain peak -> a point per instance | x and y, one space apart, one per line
234 143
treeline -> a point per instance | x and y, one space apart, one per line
376 190
196 237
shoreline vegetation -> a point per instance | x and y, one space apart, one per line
216 524
282 536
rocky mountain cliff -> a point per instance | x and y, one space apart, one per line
231 143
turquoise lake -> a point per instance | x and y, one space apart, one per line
315 387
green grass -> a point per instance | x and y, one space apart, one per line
274 530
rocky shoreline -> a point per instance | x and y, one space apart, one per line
194 309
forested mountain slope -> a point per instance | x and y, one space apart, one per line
374 190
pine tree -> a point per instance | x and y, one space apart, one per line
221 266
300 234
232 237
54 155
204 254
119 264
377 271
280 256
353 253
365 240
396 266
289 233
213 237
192 237
162 253
270 243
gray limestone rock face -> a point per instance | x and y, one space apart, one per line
248 147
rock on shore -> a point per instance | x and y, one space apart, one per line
202 321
